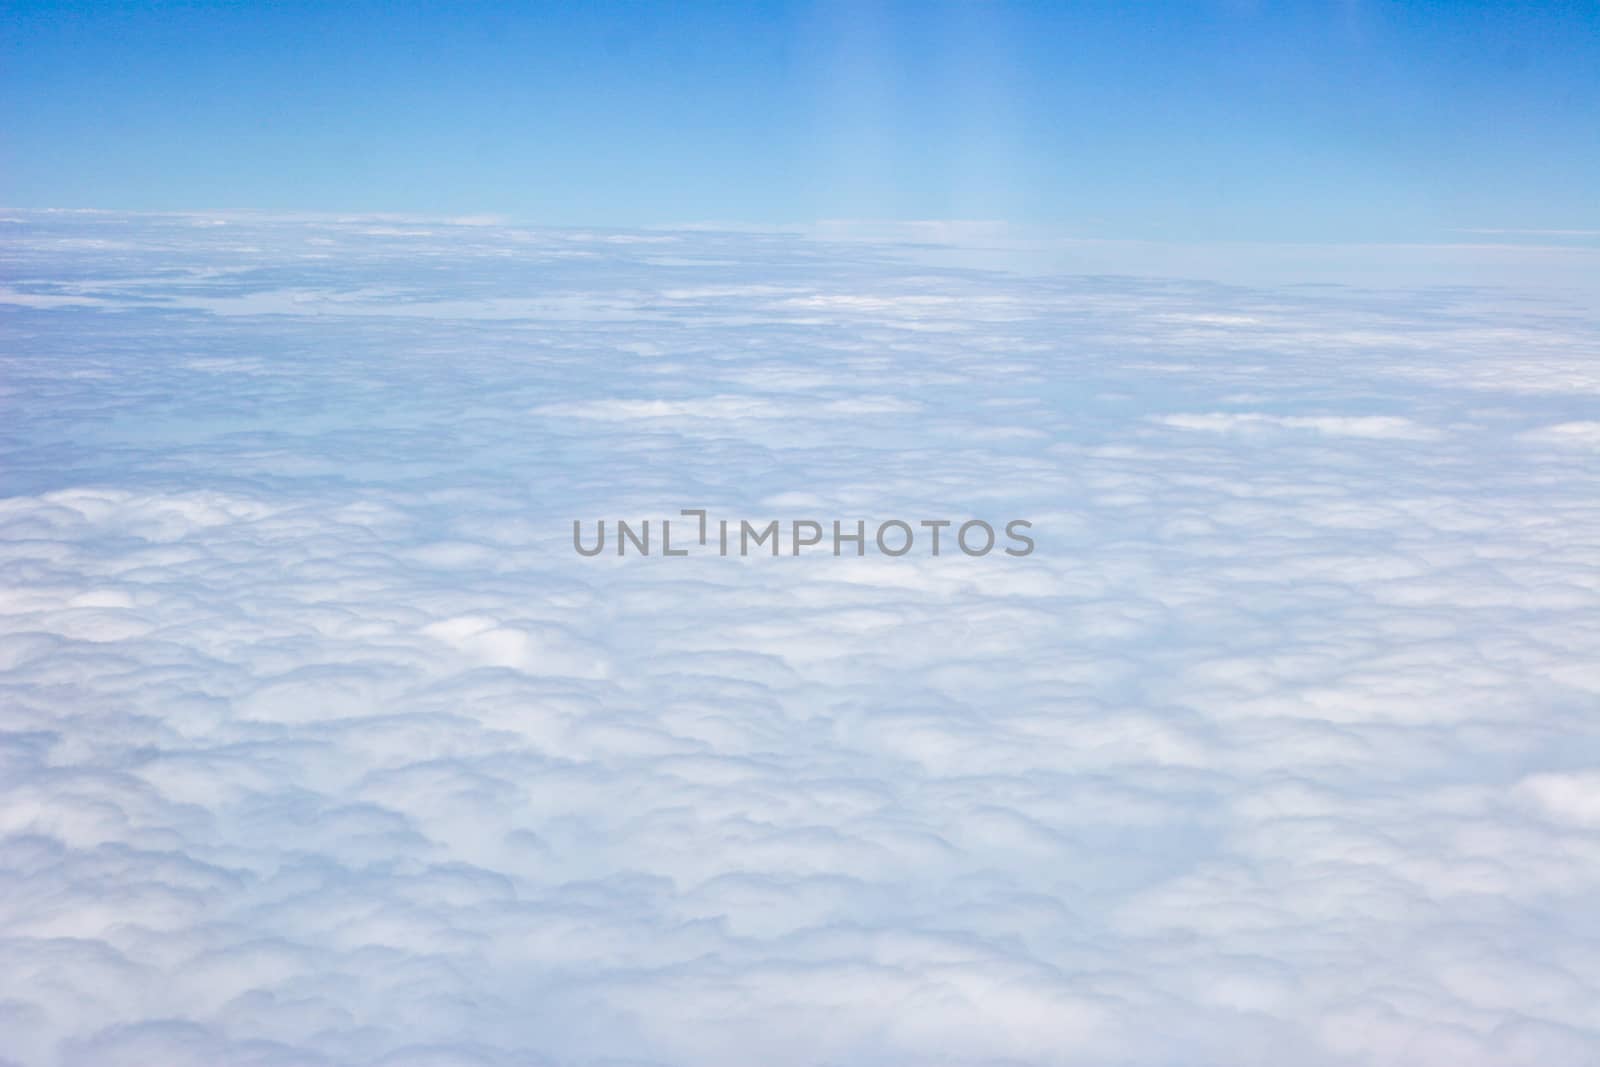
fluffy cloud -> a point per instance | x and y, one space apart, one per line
321 746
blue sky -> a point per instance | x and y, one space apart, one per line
1166 121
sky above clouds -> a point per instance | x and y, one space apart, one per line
321 746
321 324
1170 120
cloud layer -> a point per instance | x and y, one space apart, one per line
321 746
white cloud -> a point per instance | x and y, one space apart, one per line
1373 426
321 746
1572 434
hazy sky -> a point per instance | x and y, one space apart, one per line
1170 121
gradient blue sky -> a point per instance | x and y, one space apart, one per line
1172 121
